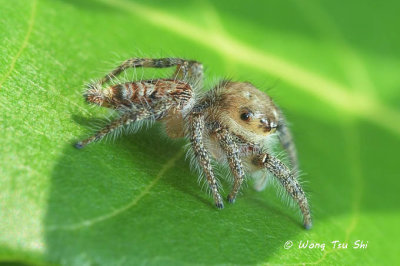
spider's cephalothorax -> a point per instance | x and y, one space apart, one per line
231 123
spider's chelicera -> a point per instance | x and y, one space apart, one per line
231 123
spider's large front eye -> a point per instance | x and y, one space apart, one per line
245 116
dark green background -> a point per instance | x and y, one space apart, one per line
333 66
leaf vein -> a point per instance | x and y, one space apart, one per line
24 43
90 222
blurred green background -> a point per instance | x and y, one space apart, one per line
333 66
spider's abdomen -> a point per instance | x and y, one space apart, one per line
146 93
174 97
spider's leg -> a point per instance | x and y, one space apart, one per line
191 71
287 142
235 163
186 67
125 119
288 181
196 139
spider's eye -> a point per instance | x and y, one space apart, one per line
245 116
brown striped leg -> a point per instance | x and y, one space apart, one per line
287 142
125 119
189 66
196 138
288 181
191 71
235 163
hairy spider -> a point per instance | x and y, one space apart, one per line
231 123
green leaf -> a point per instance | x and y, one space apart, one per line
332 66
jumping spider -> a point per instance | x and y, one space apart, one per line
230 123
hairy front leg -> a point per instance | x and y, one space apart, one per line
235 163
288 181
196 139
